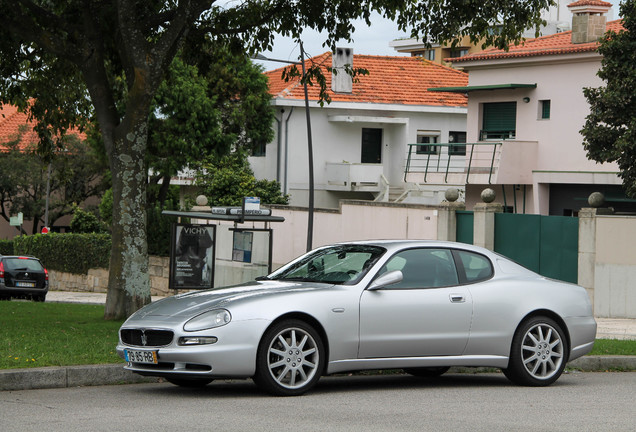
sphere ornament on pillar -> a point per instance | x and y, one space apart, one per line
488 195
451 194
202 200
596 200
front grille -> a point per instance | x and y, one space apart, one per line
153 338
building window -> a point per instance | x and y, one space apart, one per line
457 138
259 149
459 52
426 138
499 120
545 109
429 54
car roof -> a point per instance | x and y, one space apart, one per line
393 244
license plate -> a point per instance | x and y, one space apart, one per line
139 356
25 284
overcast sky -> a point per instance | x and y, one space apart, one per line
372 40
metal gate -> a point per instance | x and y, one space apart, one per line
465 226
548 245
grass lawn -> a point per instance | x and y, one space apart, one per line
60 334
55 334
614 347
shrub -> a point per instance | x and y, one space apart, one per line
72 253
86 222
6 247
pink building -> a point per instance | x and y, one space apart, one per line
525 110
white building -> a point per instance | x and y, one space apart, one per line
360 139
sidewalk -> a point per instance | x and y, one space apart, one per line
73 376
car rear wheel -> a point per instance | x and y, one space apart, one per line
289 360
39 297
191 383
538 354
427 372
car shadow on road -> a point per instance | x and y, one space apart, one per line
367 382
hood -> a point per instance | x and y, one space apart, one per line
188 305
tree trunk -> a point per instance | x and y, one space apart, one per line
129 282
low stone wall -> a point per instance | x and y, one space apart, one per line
97 279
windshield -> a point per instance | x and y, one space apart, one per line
340 264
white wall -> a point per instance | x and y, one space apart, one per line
615 267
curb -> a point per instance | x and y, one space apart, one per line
95 375
603 363
68 376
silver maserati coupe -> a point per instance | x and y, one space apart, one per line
421 306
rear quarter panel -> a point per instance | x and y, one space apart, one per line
501 304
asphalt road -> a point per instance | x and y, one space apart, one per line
481 402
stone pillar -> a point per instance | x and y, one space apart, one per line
587 250
484 220
446 216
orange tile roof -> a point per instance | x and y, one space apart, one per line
555 44
14 124
391 80
590 3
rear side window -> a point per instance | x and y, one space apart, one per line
22 264
476 267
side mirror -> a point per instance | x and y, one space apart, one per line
386 279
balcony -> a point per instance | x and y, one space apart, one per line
354 177
487 162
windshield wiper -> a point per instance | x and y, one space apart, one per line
297 279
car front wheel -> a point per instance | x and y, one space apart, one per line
290 359
538 354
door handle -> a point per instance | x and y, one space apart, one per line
457 298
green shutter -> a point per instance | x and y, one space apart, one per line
500 117
545 109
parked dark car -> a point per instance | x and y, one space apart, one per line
23 277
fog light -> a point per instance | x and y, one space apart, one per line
197 340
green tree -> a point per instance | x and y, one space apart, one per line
227 180
23 183
113 50
610 128
85 222
220 103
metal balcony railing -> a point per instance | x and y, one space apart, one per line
465 157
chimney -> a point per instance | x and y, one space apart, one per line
341 81
588 20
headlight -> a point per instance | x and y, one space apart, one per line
208 320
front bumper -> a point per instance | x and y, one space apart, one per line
233 355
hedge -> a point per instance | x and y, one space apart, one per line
72 253
6 247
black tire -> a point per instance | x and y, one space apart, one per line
290 359
39 298
427 372
190 382
538 353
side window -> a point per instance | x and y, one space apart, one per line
477 267
424 268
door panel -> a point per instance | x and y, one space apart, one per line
424 314
414 322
